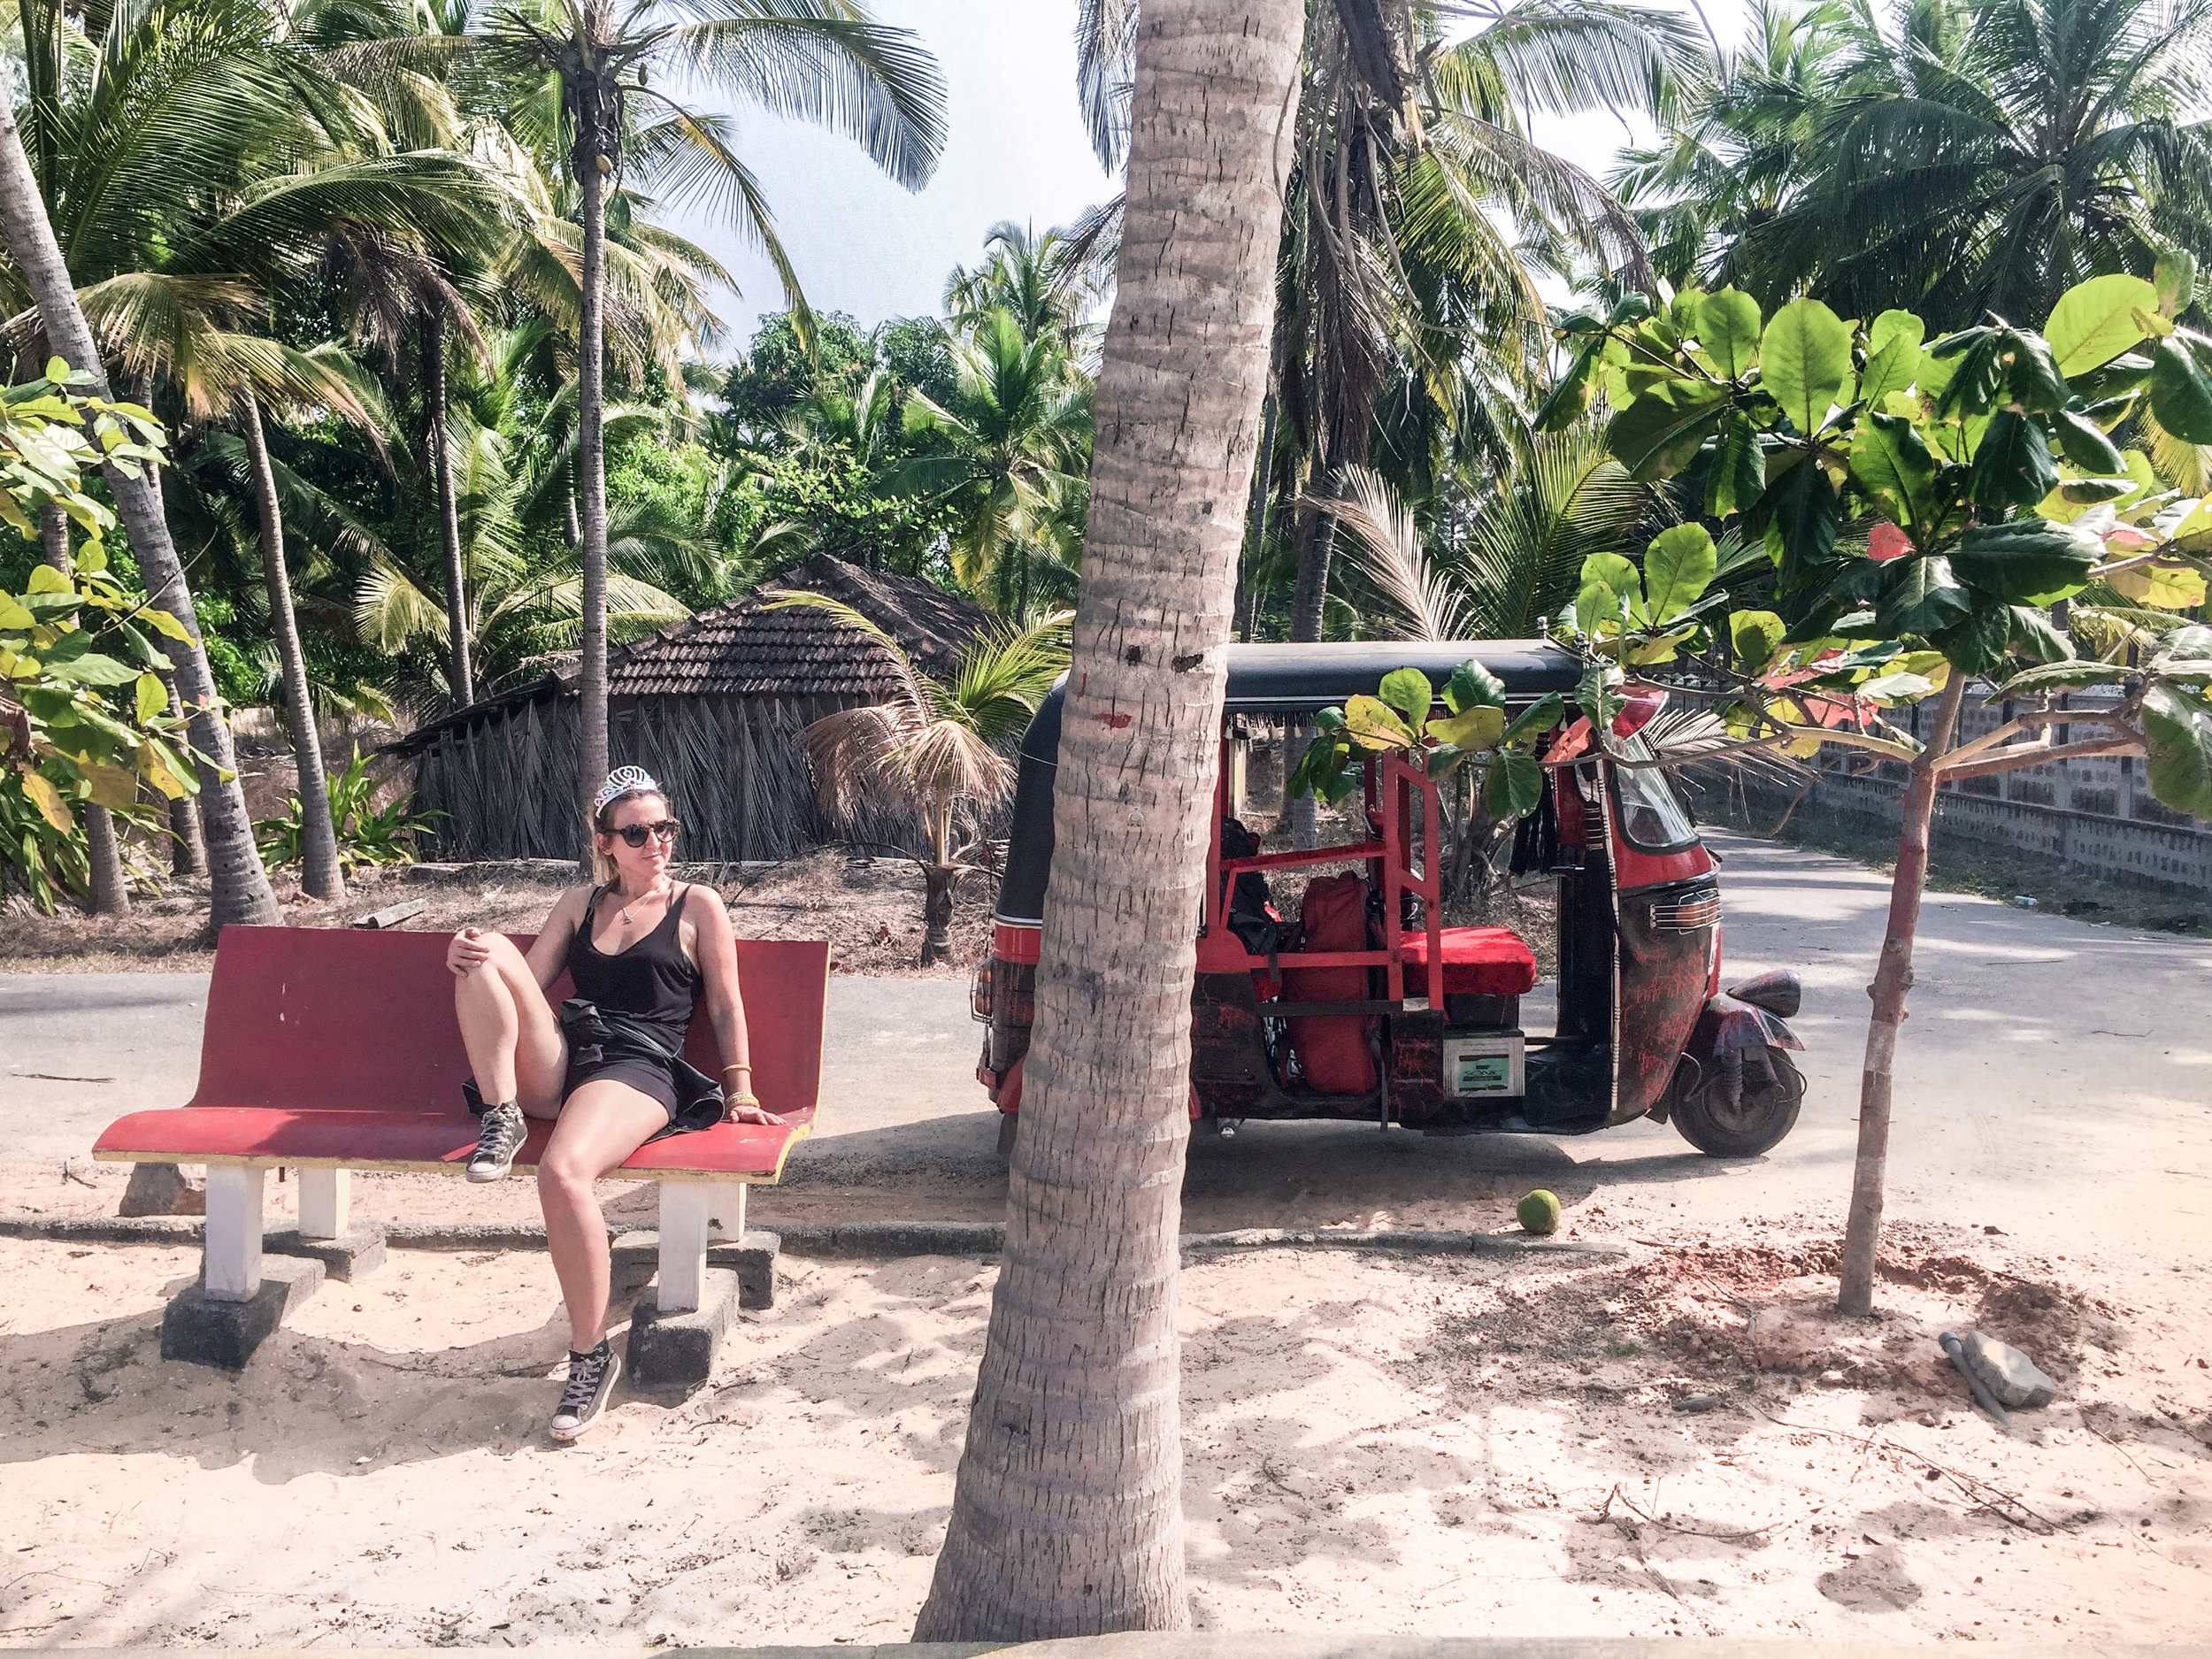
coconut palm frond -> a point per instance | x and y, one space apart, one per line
1422 602
1105 75
390 611
1000 678
851 751
821 62
1690 736
946 760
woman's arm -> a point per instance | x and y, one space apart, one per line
548 957
714 947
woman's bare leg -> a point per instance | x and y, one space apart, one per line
601 1125
514 1047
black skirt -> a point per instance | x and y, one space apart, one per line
625 1049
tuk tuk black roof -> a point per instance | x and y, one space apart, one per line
1295 679
1268 680
1298 678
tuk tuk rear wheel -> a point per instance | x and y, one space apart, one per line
1742 1104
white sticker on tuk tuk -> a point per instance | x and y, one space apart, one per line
1493 1064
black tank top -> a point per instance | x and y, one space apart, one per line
652 982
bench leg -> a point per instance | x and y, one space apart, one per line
725 1222
683 1258
232 1256
693 1214
326 1203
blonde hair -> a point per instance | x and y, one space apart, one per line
603 868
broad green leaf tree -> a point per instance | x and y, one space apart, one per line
1924 503
1067 1510
84 711
239 887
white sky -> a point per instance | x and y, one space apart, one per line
1017 150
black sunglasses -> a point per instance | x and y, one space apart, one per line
635 835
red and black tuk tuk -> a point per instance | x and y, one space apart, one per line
1335 1014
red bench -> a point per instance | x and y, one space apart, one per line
327 1050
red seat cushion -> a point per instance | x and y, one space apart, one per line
1478 962
357 1140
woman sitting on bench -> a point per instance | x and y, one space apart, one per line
641 950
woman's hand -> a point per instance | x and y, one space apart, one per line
467 953
742 1108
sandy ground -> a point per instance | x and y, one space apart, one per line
1436 1446
1425 1445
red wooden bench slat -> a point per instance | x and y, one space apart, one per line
356 1026
428 1140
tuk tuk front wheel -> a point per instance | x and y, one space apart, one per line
1740 1105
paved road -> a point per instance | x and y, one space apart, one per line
2055 1081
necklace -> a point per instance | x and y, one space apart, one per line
623 915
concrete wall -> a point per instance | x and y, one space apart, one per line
2096 815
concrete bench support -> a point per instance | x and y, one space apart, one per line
327 1233
232 1256
241 1297
326 1203
693 1214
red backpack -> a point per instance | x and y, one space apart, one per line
1334 1051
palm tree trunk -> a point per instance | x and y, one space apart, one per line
110 889
240 890
1256 517
1067 1514
1892 978
938 881
460 680
1308 609
321 874
189 855
592 147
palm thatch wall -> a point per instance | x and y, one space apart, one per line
711 707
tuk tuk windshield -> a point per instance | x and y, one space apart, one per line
1651 817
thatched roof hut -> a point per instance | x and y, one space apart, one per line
712 707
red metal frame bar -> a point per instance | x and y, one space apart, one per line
1358 852
1388 790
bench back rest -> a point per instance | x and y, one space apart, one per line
342 1019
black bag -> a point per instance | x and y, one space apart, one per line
1252 916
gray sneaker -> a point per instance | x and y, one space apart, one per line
591 1380
501 1138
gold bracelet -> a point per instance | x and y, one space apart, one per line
737 1065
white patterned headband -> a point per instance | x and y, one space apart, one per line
621 781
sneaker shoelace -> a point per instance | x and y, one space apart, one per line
584 1372
501 1134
